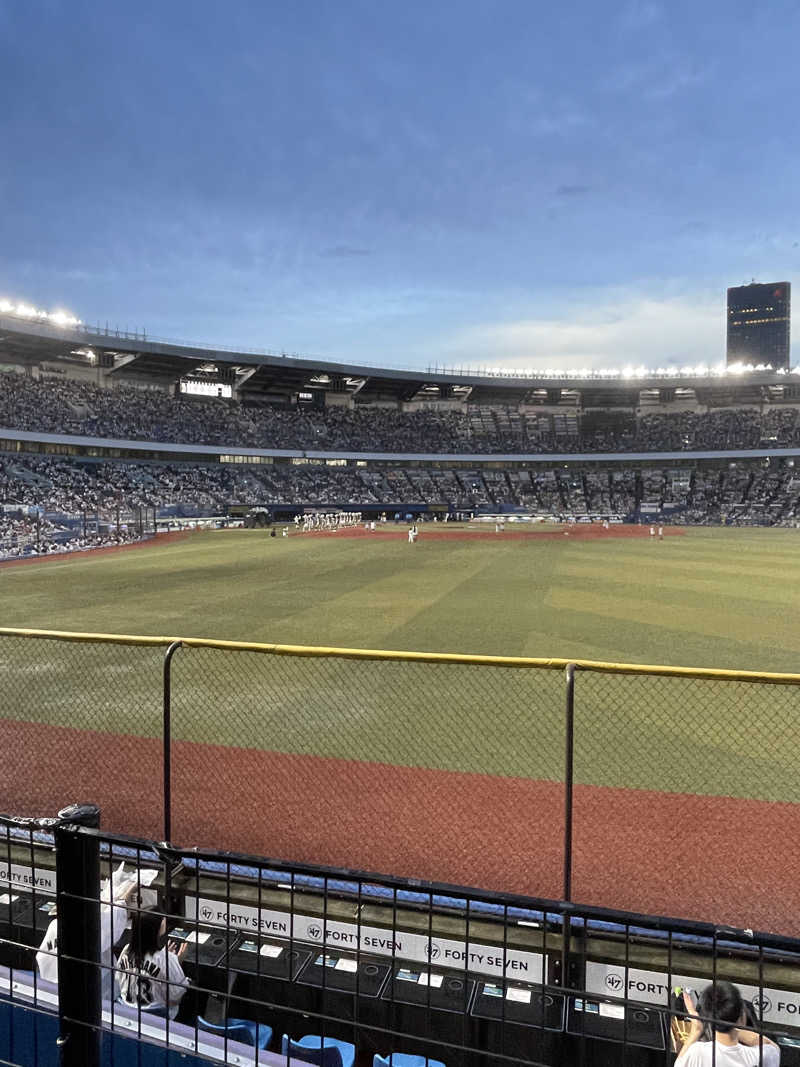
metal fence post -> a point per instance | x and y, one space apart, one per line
79 962
167 739
569 779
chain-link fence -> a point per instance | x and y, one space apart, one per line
690 780
82 719
440 770
667 791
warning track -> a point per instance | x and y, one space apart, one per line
632 846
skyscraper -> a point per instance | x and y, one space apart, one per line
758 323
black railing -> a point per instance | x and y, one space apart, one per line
468 978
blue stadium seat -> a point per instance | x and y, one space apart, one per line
327 1052
257 1034
403 1059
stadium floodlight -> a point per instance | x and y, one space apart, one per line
630 372
63 318
28 311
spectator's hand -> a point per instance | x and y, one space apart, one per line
129 893
691 1010
180 950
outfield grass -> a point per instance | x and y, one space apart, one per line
721 598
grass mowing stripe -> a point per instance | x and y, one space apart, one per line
476 613
628 641
674 617
725 570
771 598
391 601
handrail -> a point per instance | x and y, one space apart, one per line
334 652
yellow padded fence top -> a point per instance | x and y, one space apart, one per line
323 652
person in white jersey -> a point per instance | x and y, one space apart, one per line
113 920
731 1044
149 971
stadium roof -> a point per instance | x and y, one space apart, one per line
269 375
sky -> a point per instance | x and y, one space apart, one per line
461 183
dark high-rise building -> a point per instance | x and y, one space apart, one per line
758 323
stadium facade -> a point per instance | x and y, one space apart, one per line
113 420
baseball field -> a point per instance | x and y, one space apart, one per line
687 798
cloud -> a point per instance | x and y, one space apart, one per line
535 111
573 190
610 334
668 83
694 226
560 119
640 14
345 251
658 78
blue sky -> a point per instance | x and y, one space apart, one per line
472 182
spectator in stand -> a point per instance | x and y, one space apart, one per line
731 1045
67 406
748 494
113 919
149 970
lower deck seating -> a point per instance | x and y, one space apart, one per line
121 1024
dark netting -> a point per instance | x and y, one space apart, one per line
82 720
686 799
446 771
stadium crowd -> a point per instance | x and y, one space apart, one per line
745 492
66 406
22 537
